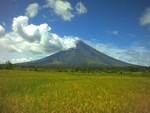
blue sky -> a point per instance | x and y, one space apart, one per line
32 29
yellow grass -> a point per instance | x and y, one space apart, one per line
54 92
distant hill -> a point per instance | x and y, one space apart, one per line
82 55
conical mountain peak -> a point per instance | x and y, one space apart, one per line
82 55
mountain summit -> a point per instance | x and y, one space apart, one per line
82 55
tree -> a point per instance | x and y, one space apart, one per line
8 65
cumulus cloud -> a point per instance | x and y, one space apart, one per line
80 8
145 19
135 54
2 30
115 32
9 42
61 8
32 10
31 38
30 32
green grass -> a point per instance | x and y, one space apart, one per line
54 92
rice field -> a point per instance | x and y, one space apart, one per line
66 92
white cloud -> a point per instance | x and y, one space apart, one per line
2 30
10 42
135 54
145 19
32 10
28 38
61 8
1 61
19 22
80 8
115 32
20 60
30 32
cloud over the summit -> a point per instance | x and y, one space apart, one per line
32 10
32 38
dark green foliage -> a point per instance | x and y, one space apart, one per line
81 69
8 65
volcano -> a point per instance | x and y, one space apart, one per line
82 55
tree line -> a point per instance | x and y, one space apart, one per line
81 69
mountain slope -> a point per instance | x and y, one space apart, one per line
81 55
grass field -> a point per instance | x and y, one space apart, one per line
62 92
